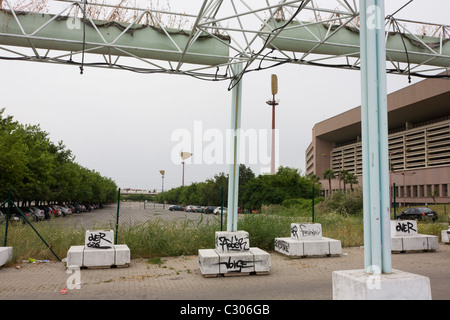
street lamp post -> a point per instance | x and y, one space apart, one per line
162 186
184 156
273 103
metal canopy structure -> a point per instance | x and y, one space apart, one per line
214 37
227 39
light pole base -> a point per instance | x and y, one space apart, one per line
398 285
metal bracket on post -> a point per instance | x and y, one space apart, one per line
377 242
233 176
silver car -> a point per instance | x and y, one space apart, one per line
38 214
65 210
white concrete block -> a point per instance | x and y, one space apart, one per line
419 242
445 237
5 255
208 261
289 246
99 257
316 247
236 262
306 231
75 256
398 285
415 243
99 239
122 255
403 228
396 244
433 242
232 241
335 246
261 260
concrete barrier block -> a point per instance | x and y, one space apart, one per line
122 255
396 244
316 247
398 285
5 255
289 246
99 239
261 260
236 262
75 256
445 236
335 246
232 241
403 228
99 257
208 261
306 231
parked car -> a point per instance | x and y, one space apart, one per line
47 211
176 208
189 209
2 217
420 213
77 208
36 213
218 210
56 211
88 207
210 209
65 210
198 209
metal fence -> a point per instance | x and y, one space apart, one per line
50 234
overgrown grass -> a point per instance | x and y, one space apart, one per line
161 238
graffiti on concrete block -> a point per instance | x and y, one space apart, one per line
300 230
281 245
99 240
232 244
237 265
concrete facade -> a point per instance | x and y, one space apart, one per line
419 144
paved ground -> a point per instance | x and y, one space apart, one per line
179 278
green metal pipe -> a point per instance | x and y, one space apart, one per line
106 37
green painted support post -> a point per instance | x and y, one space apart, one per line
233 176
377 242
7 217
221 212
117 215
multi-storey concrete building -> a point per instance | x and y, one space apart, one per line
419 143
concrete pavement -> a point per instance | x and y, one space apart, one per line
179 278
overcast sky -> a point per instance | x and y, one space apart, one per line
121 123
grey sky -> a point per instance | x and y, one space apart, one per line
120 123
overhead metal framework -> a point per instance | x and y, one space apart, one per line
214 37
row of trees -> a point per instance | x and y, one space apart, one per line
342 175
37 170
254 191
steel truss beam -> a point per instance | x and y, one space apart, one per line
258 34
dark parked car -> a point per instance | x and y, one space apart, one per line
176 208
418 214
210 209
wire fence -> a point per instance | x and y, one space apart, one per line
42 231
46 231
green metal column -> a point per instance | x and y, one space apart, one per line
233 176
377 241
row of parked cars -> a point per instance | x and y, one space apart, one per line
45 212
201 209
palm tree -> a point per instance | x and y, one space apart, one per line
329 174
352 179
343 176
